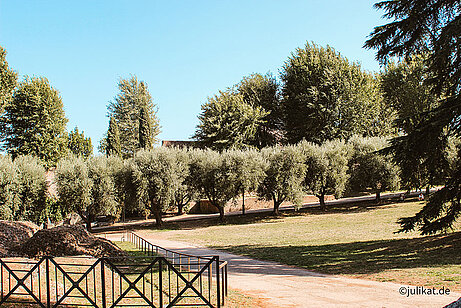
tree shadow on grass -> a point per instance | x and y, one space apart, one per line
362 257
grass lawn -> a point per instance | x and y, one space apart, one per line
354 241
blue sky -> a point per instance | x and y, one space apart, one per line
184 50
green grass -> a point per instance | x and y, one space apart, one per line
355 241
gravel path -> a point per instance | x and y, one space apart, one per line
285 286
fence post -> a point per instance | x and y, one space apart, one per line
103 284
47 276
160 282
218 290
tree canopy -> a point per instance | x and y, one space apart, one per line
125 109
432 28
326 97
227 121
34 122
78 144
7 80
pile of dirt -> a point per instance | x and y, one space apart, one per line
14 233
68 240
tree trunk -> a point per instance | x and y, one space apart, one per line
378 197
180 208
243 202
89 219
157 214
276 211
428 190
322 202
221 213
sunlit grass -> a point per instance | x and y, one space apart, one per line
355 241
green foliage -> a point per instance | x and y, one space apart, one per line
326 97
7 80
369 168
156 176
78 144
31 192
432 28
406 92
9 202
212 174
126 111
102 172
327 167
74 186
112 144
284 172
262 91
145 130
184 191
34 122
227 121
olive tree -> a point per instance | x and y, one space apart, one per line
156 177
284 171
327 167
87 187
74 186
31 189
9 202
213 177
369 168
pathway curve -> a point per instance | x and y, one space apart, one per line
285 286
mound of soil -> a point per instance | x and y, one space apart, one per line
68 240
14 233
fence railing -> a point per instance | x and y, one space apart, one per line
163 279
188 262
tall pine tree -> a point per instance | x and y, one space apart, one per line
126 111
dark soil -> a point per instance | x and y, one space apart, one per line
13 233
67 241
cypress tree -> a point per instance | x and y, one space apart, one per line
145 131
113 139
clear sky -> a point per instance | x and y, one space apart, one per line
184 50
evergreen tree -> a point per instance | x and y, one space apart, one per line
145 137
326 97
112 146
126 111
78 144
7 80
430 27
34 122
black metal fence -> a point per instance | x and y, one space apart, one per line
161 279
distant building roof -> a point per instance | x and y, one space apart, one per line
178 144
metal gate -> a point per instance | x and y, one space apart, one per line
151 281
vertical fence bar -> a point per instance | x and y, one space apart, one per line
218 290
47 268
103 284
160 283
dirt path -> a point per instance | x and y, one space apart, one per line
285 286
